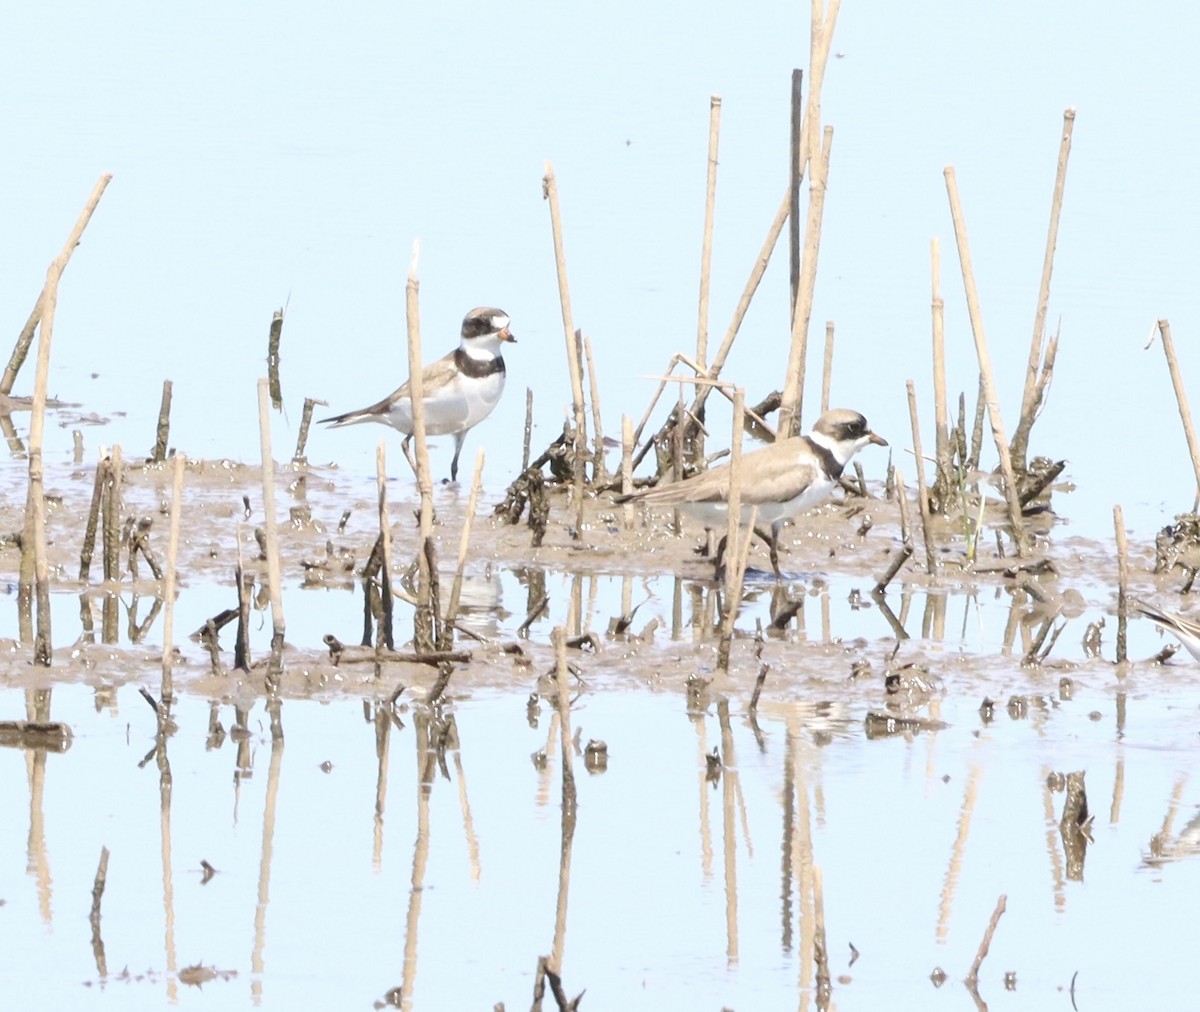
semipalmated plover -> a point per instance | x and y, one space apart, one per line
460 390
1186 629
782 480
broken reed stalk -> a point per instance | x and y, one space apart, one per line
827 370
163 431
25 339
384 638
820 950
793 389
1011 493
528 428
465 540
167 695
302 438
922 488
1122 583
1031 397
112 515
273 338
906 547
93 521
424 620
35 525
986 944
550 192
274 576
940 413
569 803
1185 412
710 200
627 469
599 472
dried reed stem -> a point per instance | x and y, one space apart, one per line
93 520
737 560
550 192
112 515
945 453
425 619
1122 583
820 950
827 371
1031 397
710 200
922 489
274 336
793 389
98 884
163 431
274 572
1185 412
599 472
167 695
1011 493
569 803
465 540
25 339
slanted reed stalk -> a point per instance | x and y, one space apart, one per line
922 488
25 339
1011 493
465 541
384 638
550 192
163 431
737 559
274 570
906 548
1122 583
1031 398
710 201
34 547
599 472
827 371
423 623
793 389
93 521
945 452
735 487
168 588
1185 412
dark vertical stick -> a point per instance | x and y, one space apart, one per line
273 338
795 176
245 590
112 516
383 637
1122 583
302 439
25 339
98 885
162 433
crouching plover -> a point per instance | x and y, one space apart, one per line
782 480
460 390
1186 629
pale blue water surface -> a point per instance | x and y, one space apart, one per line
270 155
